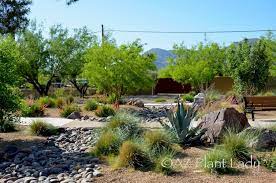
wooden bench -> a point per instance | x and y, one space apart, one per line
259 103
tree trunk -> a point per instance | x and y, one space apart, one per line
81 89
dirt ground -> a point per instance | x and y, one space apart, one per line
188 171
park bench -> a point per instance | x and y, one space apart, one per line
259 103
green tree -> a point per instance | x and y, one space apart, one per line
42 59
13 15
70 50
249 65
196 66
119 70
9 55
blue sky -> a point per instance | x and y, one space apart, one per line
161 15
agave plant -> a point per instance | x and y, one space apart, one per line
180 122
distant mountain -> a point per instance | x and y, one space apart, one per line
251 41
162 56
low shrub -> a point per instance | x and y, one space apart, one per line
7 123
112 98
60 92
108 143
41 128
268 159
217 161
212 96
159 100
132 155
105 111
101 99
158 141
32 110
125 122
237 145
163 163
188 97
91 105
47 102
60 103
68 109
69 100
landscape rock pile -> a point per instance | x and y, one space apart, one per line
61 158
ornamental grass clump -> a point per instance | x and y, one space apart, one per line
47 102
218 161
126 122
132 155
41 128
91 105
68 109
105 111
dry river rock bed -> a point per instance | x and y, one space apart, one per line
61 158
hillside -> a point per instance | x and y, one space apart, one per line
162 56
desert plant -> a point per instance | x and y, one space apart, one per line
108 143
91 105
126 122
217 161
112 98
60 92
60 103
159 100
7 123
41 128
236 145
163 162
188 97
159 141
69 99
105 111
68 109
32 110
268 159
47 102
212 96
180 123
132 155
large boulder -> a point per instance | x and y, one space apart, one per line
74 115
215 124
266 139
135 102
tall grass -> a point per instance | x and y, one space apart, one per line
41 128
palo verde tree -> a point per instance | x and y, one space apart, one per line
196 66
39 64
249 65
119 70
13 15
9 55
70 50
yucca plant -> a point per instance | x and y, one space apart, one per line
180 123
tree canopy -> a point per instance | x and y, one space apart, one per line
13 15
119 70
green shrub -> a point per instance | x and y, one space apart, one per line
68 109
132 155
7 123
237 145
108 143
60 103
69 100
91 105
163 162
158 141
60 92
41 128
212 96
101 99
125 122
32 110
159 100
47 102
269 160
188 97
105 111
111 99
217 161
